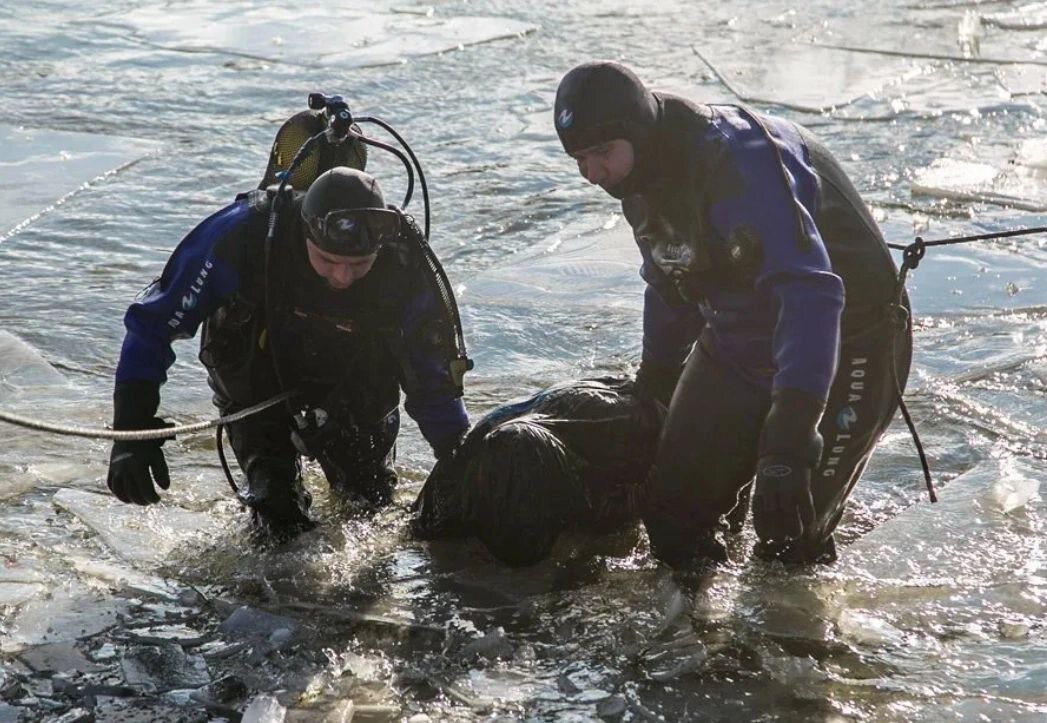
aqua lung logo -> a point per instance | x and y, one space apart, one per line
565 119
847 417
346 225
192 297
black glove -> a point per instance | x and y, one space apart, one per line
446 450
133 466
658 381
790 447
782 504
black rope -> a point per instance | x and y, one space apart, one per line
912 255
965 239
225 463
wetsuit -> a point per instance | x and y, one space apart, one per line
757 245
768 275
348 352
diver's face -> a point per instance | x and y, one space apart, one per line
340 272
606 164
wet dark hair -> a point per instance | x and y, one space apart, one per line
574 455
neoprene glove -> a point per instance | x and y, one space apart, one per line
790 447
137 468
447 449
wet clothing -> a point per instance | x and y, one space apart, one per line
572 456
756 244
348 352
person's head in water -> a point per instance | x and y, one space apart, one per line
345 222
606 121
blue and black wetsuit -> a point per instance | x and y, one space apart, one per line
759 252
767 274
348 352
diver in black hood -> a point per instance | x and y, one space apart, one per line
345 308
772 320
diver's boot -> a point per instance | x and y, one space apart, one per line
278 501
687 549
364 488
800 552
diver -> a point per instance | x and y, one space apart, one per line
573 456
346 311
773 325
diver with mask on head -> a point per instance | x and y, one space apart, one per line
773 327
338 298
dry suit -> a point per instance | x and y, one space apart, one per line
770 286
347 352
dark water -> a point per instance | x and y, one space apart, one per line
932 612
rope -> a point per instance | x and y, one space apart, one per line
912 255
964 239
142 434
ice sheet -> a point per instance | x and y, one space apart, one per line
42 167
805 77
70 613
1029 16
596 267
22 366
1018 185
136 534
316 34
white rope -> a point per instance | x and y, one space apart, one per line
142 434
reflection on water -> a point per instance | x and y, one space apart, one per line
932 612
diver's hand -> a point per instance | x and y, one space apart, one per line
783 508
137 468
657 381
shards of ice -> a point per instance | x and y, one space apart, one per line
159 668
264 709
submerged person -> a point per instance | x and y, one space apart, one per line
772 319
574 456
349 312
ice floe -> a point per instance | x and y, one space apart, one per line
136 534
42 167
1022 183
313 33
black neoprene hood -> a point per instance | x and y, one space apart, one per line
600 101
342 189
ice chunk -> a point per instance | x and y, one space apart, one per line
806 77
71 613
57 657
1023 79
134 533
22 366
13 594
934 544
42 167
164 667
867 629
965 180
1032 157
1030 16
264 709
123 577
285 33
